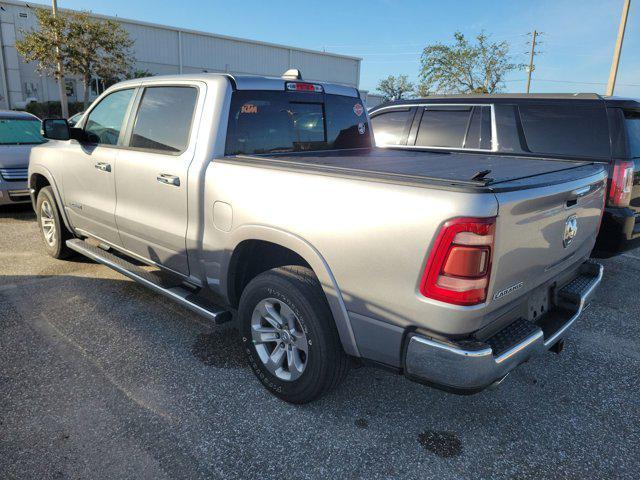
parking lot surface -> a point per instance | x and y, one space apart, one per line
100 378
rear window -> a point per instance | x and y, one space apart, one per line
280 122
573 130
632 124
19 131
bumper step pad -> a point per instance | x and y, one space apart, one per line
170 286
511 335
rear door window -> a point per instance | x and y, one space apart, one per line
443 126
573 130
632 125
392 127
164 119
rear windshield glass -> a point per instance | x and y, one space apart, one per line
280 122
574 130
18 131
632 124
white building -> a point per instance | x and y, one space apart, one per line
161 49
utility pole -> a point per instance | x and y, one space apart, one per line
616 53
64 106
531 55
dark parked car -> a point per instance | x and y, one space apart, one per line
563 126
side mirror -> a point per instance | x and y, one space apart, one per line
55 129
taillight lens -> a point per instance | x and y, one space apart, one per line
459 265
621 184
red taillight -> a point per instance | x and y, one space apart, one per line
620 184
460 263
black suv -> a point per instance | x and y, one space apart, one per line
566 126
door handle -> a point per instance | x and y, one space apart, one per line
105 167
169 179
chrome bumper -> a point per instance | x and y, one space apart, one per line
470 366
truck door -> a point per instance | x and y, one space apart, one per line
151 181
90 166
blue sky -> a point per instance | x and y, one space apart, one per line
578 40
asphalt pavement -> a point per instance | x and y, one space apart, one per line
100 378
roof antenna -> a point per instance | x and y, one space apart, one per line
292 74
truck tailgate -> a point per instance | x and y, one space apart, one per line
542 231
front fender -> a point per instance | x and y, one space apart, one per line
42 170
319 265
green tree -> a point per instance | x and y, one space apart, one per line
395 88
96 48
39 46
88 47
466 67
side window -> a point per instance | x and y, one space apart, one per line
566 130
104 122
443 126
391 128
479 133
163 121
632 124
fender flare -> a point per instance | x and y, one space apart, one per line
41 170
317 262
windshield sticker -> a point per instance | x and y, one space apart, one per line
358 109
249 108
361 128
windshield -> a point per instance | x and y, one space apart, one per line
281 122
20 131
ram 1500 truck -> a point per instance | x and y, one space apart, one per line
582 126
262 200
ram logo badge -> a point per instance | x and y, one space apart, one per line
507 291
570 230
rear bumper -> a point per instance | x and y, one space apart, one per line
14 192
471 366
619 225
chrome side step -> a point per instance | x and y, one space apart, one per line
176 291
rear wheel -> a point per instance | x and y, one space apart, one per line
54 232
289 335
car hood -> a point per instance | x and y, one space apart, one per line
15 156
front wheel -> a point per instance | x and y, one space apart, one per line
54 232
289 335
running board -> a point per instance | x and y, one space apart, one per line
175 290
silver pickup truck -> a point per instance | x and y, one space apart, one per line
262 200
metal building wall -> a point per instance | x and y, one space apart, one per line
165 50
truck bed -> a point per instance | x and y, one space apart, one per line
446 169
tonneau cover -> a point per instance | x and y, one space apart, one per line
458 168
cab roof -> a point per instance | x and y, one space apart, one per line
246 82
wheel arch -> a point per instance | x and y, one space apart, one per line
40 177
294 249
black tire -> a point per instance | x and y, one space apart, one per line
55 247
326 363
